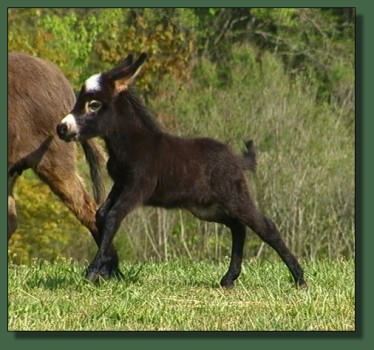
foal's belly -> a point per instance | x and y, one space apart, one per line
211 212
208 212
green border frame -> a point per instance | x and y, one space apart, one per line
360 339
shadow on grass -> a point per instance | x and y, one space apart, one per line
52 282
72 279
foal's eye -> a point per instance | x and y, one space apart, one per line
94 106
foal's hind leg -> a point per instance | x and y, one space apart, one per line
238 238
68 186
268 232
214 213
245 210
271 235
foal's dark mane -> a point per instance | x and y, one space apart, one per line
143 113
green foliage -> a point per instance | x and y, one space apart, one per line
182 295
61 37
284 77
161 33
83 41
321 41
283 17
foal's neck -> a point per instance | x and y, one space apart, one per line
133 126
136 114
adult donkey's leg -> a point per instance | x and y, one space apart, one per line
12 213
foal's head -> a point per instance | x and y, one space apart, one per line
95 104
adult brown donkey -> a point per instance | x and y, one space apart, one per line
152 167
38 95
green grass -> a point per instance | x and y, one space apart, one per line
182 295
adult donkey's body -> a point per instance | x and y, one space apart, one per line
151 167
38 95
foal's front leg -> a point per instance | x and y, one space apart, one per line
111 268
109 225
108 204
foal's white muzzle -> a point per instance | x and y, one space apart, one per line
67 129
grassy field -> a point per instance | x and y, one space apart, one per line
182 295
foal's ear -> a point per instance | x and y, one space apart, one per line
123 77
126 62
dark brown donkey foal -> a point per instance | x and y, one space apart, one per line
151 167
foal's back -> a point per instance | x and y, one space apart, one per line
193 171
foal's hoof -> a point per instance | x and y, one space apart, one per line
94 276
116 273
104 273
227 283
301 284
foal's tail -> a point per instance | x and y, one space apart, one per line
249 155
95 157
